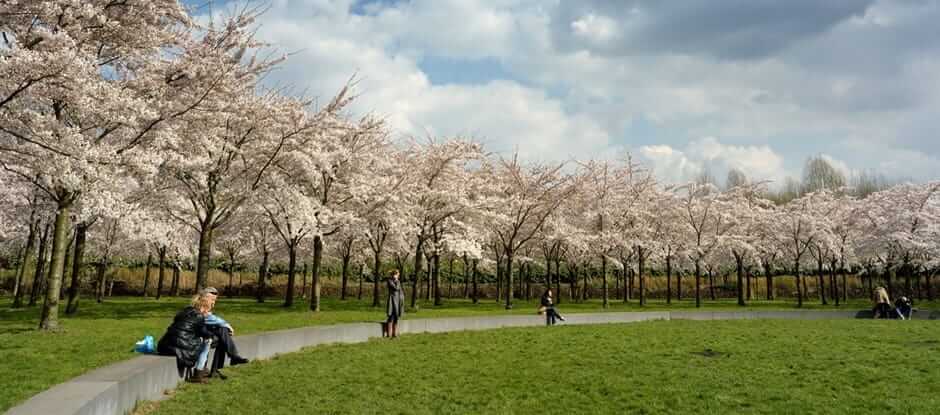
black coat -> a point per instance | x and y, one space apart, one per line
184 337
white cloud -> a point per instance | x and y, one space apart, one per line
757 162
596 29
819 92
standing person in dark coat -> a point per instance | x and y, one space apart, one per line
186 336
549 305
395 303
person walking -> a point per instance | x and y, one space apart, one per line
882 303
394 304
548 304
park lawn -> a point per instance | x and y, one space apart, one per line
745 366
101 334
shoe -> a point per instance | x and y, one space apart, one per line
219 374
198 376
561 318
238 360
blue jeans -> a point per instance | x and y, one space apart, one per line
203 355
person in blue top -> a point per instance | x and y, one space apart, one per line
222 332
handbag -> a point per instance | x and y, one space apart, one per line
542 309
145 346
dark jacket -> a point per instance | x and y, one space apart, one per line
547 301
395 302
184 337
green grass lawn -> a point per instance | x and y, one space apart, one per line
101 334
715 367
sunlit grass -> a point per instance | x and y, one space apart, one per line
105 333
755 366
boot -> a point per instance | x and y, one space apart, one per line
198 376
238 360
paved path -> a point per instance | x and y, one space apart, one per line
115 389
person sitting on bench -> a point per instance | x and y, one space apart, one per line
222 332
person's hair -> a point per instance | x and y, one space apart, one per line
394 272
201 303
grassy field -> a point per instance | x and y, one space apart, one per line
101 334
840 366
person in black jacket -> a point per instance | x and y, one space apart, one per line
185 337
549 305
395 304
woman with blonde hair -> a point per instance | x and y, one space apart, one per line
882 303
186 337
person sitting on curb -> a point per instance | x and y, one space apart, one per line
222 331
186 337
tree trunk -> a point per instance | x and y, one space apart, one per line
845 281
698 283
49 319
74 288
40 268
101 269
586 283
832 279
476 292
303 283
419 255
509 293
437 278
177 282
499 279
359 295
20 286
291 274
572 282
641 262
344 277
450 277
928 287
315 274
711 285
558 279
668 280
262 277
604 293
821 284
161 272
748 276
799 290
628 284
231 272
146 270
739 265
376 271
466 276
770 282
679 285
429 277
202 262
69 254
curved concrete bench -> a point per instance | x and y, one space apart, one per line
117 388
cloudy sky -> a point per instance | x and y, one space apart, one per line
755 84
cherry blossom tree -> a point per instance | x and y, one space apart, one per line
525 196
